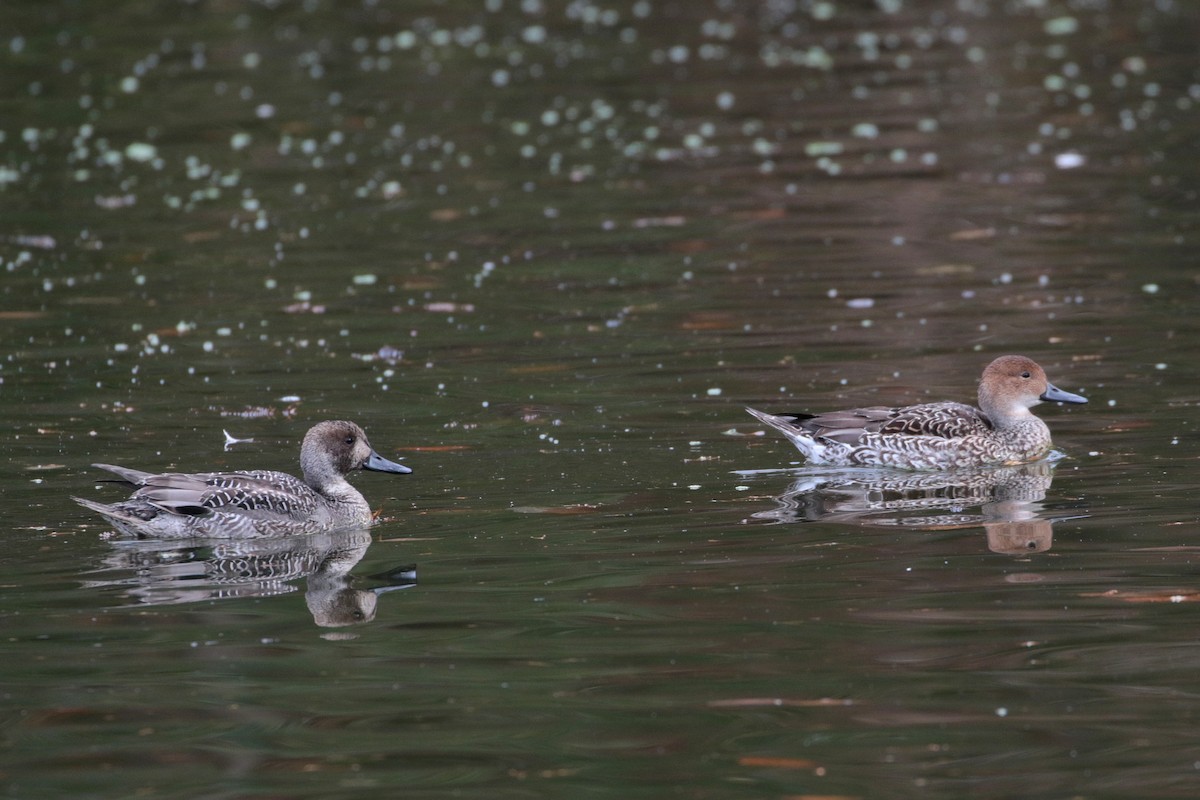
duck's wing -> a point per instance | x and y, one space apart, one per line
200 494
942 420
125 474
846 426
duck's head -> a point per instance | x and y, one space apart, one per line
337 447
1012 384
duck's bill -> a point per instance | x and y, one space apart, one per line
377 463
1057 395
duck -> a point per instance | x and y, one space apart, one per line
935 436
253 503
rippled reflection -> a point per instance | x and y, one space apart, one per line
1008 502
164 573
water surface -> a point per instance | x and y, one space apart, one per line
545 254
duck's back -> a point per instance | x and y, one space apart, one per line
946 420
263 492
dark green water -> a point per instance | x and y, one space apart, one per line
545 253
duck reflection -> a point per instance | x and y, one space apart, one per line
172 572
1008 498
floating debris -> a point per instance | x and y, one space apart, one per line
231 440
113 202
971 234
446 307
40 242
571 509
387 353
253 412
673 221
304 307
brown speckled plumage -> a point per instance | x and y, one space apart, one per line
935 436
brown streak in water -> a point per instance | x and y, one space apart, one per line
779 763
1147 597
778 702
534 369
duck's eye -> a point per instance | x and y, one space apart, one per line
1024 374
349 440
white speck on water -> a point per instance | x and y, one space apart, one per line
741 488
141 152
290 398
1061 26
1150 288
865 130
713 392
693 486
1001 712
1160 365
366 279
239 141
860 302
814 149
1112 403
485 404
1069 160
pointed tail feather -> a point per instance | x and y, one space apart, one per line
804 443
117 516
132 476
92 505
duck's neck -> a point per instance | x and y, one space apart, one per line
335 488
1004 415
